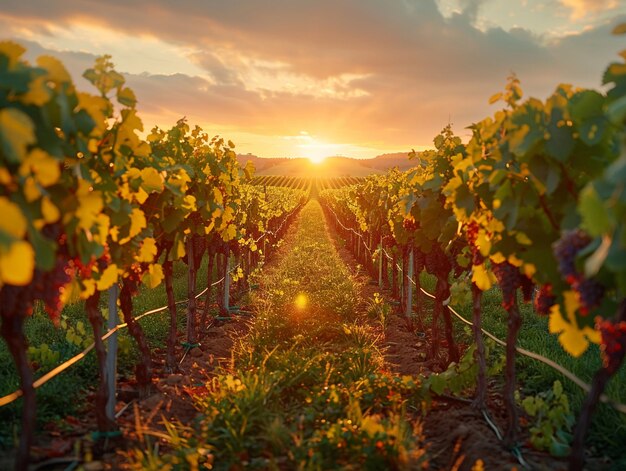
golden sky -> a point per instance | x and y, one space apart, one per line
289 78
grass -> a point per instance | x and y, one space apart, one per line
307 389
61 396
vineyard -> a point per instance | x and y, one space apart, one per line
469 313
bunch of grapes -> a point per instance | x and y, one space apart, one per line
409 224
566 249
53 283
590 292
544 300
613 343
509 279
471 233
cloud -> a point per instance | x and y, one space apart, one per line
387 75
581 8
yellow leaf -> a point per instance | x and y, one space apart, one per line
529 270
17 132
573 339
12 222
55 68
523 239
151 180
70 293
153 277
5 176
45 168
482 278
137 222
11 50
216 213
498 258
89 288
17 263
189 203
38 94
180 250
230 233
90 205
148 250
97 107
108 277
483 243
50 212
217 196
31 190
141 196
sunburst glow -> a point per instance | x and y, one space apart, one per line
301 301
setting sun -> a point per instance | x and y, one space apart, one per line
317 151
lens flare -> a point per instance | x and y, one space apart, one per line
301 301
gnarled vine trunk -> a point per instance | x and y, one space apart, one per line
102 393
514 323
13 334
172 336
481 379
143 370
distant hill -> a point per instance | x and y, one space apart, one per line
330 167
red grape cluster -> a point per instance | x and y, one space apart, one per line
410 224
544 300
613 343
471 232
566 249
509 279
51 287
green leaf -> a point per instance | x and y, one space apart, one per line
127 97
45 249
595 217
559 449
437 383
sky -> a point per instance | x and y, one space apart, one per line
311 78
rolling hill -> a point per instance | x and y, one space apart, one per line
330 167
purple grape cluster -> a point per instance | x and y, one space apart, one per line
590 292
566 249
509 279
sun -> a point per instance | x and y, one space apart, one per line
317 151
317 159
